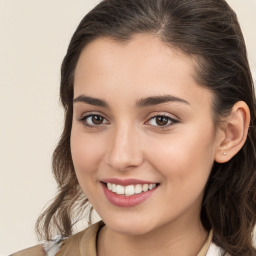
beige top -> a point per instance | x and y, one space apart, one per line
75 244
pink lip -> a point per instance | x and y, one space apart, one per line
126 182
126 201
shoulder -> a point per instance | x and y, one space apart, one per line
66 246
32 251
214 250
82 243
49 248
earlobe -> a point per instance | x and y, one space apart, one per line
233 132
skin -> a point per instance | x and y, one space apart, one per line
129 143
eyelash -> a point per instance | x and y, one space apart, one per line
171 121
85 123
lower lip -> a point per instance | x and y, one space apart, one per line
127 201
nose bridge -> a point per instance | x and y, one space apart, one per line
124 151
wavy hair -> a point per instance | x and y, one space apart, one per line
207 30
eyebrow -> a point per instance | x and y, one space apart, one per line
144 102
155 100
91 101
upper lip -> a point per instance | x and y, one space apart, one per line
126 182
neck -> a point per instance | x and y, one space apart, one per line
179 239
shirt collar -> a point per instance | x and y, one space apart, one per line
88 243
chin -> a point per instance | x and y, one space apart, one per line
132 226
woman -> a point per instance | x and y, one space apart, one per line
159 134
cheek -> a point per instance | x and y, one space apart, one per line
184 159
184 163
86 152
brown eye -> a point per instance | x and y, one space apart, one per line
97 119
162 120
93 120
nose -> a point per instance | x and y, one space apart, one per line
125 151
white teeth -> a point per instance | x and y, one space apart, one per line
130 189
113 187
138 189
119 189
145 187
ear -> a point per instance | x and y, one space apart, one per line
233 132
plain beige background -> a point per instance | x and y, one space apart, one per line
34 36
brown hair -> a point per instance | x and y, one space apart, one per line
209 31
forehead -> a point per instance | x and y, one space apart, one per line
146 50
143 65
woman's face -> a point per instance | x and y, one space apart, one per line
143 125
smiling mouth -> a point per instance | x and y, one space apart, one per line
130 190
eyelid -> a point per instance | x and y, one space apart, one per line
92 113
84 116
170 117
173 120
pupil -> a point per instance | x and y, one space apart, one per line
161 120
97 119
